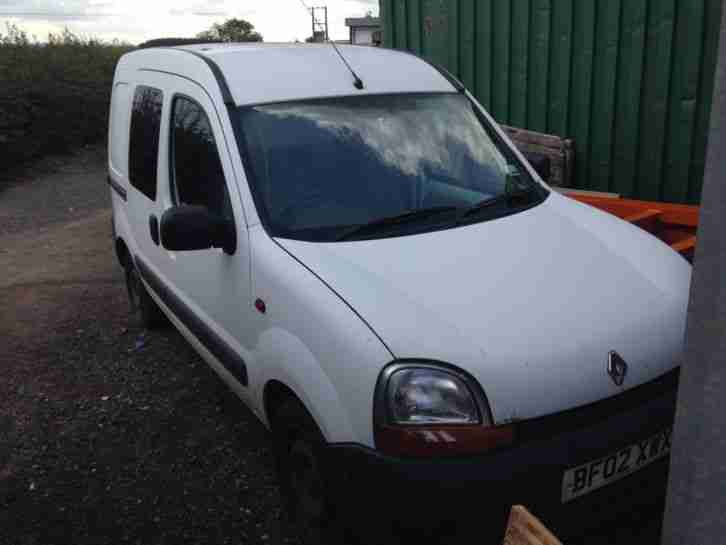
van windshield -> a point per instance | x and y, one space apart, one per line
378 166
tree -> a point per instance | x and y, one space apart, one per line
232 30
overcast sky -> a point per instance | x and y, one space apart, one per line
138 20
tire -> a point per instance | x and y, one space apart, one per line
141 302
298 445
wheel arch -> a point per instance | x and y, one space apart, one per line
274 394
122 253
303 379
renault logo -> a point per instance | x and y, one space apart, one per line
617 368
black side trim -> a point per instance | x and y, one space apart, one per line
190 80
221 81
216 71
227 355
117 187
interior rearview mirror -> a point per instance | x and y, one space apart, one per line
186 228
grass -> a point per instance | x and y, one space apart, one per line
54 95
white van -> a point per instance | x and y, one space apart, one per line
430 332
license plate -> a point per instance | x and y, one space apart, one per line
588 477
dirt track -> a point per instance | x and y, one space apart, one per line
109 434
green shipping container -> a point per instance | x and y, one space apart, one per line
630 81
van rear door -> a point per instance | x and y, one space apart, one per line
148 101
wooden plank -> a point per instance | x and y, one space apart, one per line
642 205
520 63
683 218
582 58
574 193
558 149
616 207
681 215
466 42
673 235
501 61
685 246
560 67
648 220
630 79
672 223
525 529
484 41
532 137
603 102
539 65
642 216
705 98
655 97
684 92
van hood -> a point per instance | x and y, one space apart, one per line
530 305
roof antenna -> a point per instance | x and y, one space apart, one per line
357 82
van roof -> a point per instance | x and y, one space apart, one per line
263 73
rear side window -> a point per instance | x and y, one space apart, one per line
144 139
195 166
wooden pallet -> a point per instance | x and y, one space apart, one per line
525 529
560 151
674 224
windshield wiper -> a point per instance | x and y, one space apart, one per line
383 223
510 198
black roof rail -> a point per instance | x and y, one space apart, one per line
173 42
216 72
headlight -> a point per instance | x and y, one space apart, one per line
432 409
429 396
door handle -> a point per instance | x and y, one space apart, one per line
154 229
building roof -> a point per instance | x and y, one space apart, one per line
264 73
358 22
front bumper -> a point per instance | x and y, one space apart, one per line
471 497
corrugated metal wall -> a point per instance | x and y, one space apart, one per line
629 80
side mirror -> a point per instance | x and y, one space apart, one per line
185 228
540 163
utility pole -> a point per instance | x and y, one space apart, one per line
327 36
320 27
697 488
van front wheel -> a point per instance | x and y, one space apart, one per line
298 445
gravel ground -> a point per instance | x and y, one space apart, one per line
110 434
